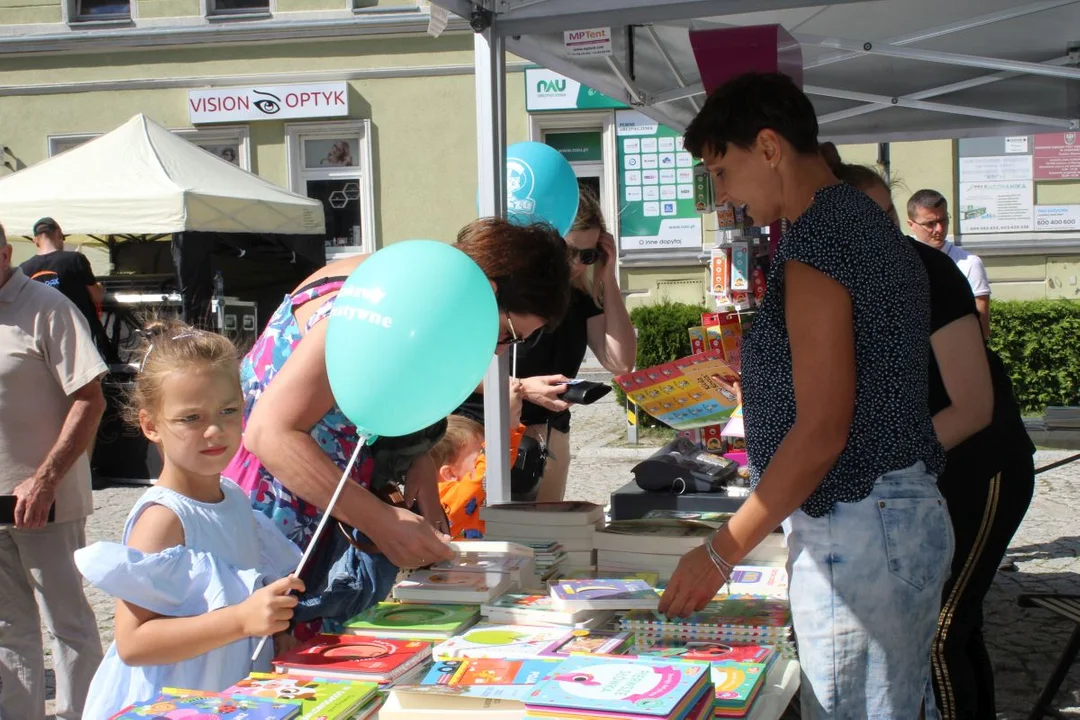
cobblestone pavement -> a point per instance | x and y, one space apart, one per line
1024 644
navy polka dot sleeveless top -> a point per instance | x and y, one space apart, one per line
846 236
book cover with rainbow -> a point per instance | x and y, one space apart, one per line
501 641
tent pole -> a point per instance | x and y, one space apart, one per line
490 54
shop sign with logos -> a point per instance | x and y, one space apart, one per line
548 90
268 102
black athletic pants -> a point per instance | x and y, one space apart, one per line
985 514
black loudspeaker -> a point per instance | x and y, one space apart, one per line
122 455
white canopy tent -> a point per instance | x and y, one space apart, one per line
141 179
877 71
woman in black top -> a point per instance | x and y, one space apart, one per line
989 477
839 438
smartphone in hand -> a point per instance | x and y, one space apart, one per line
584 392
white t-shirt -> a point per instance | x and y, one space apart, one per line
972 267
46 354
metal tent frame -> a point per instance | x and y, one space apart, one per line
876 70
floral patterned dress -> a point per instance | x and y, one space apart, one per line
334 433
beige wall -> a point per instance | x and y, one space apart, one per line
18 12
424 128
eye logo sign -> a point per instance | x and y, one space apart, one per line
266 102
269 103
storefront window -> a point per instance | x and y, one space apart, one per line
227 142
102 10
331 163
237 7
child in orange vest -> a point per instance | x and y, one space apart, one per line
462 466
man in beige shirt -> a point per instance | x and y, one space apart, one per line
50 406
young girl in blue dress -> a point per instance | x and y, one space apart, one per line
200 577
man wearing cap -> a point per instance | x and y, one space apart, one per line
50 406
70 273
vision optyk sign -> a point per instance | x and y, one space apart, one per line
268 102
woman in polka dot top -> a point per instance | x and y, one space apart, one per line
840 442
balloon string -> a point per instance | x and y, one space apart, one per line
319 528
513 361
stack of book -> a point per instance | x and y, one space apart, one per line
604 594
624 687
571 524
353 658
413 621
657 545
743 619
480 571
738 671
537 609
549 556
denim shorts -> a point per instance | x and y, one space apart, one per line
865 588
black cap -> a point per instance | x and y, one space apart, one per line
45 224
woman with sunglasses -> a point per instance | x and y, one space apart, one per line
297 442
597 318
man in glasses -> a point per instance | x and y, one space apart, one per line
928 218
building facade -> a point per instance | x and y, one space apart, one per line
376 118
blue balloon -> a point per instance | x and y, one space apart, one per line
540 186
411 334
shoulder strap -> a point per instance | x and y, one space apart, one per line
319 284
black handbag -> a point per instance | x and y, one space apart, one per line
528 467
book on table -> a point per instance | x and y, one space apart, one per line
353 658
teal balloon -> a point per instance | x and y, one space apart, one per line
411 334
541 186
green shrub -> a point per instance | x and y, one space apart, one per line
1039 342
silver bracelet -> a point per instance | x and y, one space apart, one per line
723 566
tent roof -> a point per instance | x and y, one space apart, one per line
142 179
876 71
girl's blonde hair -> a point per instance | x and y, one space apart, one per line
590 216
460 431
169 345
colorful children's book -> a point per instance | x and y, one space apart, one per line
591 642
451 586
322 699
583 686
737 684
692 392
205 706
491 677
413 621
500 641
604 594
353 657
760 581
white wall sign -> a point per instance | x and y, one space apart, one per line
997 207
1057 217
995 168
1017 144
268 102
593 41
